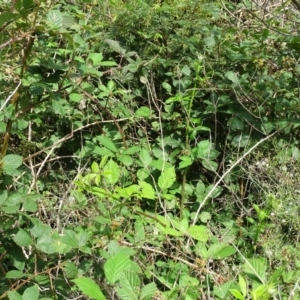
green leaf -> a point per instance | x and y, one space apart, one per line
31 293
167 87
185 161
171 231
145 158
115 265
210 165
3 196
95 167
148 291
220 251
111 172
55 18
12 161
186 70
27 4
14 274
143 111
96 58
69 238
6 17
68 21
243 285
199 233
29 204
205 217
223 290
70 269
108 143
232 77
167 178
256 269
130 286
74 97
203 149
89 288
13 295
22 238
147 191
237 294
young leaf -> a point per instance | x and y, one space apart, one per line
243 285
237 294
130 285
88 287
167 178
111 172
199 233
147 190
114 267
148 291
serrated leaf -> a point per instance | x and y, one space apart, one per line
203 149
145 158
70 269
256 269
30 205
108 143
82 238
185 161
88 287
147 191
223 290
167 178
130 285
67 21
31 293
69 238
14 274
55 18
22 238
114 267
199 233
148 291
12 161
113 172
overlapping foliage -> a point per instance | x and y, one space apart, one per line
150 150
